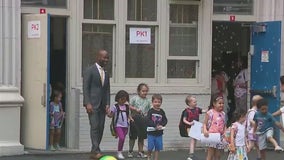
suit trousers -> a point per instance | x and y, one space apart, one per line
97 124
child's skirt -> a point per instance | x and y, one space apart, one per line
220 145
240 154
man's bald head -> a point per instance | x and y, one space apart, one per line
255 99
102 57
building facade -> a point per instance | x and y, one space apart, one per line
168 44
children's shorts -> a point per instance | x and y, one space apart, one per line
262 138
138 128
155 142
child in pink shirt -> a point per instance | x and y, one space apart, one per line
214 122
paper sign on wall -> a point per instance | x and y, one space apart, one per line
140 35
34 29
264 56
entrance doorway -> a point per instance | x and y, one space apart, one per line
230 46
44 55
58 58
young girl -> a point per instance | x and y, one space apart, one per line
139 105
120 111
192 113
214 122
237 144
56 119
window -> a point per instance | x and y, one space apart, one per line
99 9
240 7
142 10
140 58
183 41
95 37
49 3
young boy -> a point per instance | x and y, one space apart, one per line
192 113
156 120
263 127
251 137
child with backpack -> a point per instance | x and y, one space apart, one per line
237 145
120 114
190 113
214 122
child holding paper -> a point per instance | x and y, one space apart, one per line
214 122
237 144
192 113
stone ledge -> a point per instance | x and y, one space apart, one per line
10 97
11 148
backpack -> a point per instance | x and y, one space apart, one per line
115 118
183 128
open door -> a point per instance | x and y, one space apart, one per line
35 80
265 64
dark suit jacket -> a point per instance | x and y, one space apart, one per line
93 91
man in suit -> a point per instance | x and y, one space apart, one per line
96 91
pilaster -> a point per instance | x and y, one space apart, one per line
10 58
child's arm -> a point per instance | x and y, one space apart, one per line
132 108
279 125
187 122
279 112
232 146
205 131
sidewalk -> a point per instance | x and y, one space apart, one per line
166 155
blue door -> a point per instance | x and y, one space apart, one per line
265 64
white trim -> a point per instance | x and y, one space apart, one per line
239 18
51 11
96 21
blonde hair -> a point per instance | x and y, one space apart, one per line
188 99
255 99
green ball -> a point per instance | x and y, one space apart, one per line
108 158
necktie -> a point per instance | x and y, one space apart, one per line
102 75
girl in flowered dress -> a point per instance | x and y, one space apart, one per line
214 122
237 146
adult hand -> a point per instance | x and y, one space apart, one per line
89 108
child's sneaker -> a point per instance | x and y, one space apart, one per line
120 155
141 155
278 148
51 148
130 155
190 157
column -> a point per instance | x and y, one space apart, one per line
10 76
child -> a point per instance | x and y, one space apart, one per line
251 137
139 106
281 110
156 118
237 144
192 113
120 111
56 119
263 127
214 122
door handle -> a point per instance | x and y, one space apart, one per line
270 92
43 97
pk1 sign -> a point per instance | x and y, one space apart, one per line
34 29
140 35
